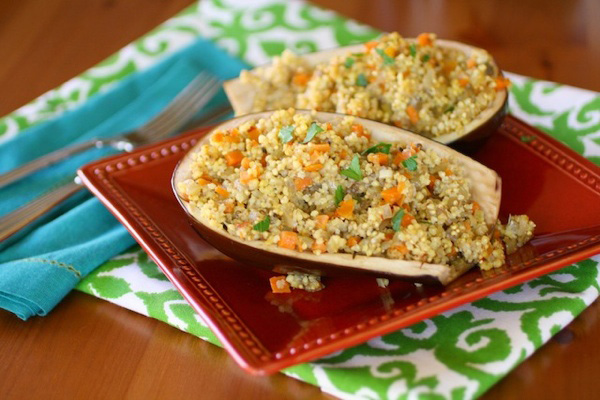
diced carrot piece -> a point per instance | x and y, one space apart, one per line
202 181
398 124
222 191
401 248
253 133
496 234
413 114
476 207
360 131
432 180
471 63
245 163
424 39
378 158
279 284
402 155
229 207
391 52
353 241
407 219
371 45
502 83
321 221
449 66
448 171
218 137
389 236
391 196
300 79
320 247
288 240
321 147
302 183
343 154
328 126
345 209
372 78
313 167
358 128
234 158
314 157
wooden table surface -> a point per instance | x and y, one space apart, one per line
89 348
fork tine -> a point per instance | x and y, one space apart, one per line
198 92
182 97
178 116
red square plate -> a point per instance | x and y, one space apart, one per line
264 333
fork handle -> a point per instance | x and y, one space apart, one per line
12 222
48 159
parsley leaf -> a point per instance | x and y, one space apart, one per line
410 163
285 133
353 172
358 54
527 139
349 62
387 60
413 50
425 58
361 80
449 109
397 220
263 225
378 148
312 132
339 195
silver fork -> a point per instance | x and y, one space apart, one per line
181 108
192 98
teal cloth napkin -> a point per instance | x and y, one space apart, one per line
39 268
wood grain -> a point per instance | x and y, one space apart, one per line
89 348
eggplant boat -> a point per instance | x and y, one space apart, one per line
329 194
444 90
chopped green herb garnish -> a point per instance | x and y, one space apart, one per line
413 50
378 148
449 109
527 139
361 80
312 132
410 163
353 172
339 195
425 58
358 54
397 220
387 60
349 62
263 225
285 133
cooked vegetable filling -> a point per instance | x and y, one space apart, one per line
421 86
309 186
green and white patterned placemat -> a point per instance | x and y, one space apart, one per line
458 354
